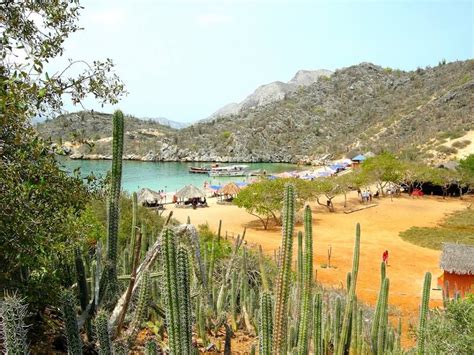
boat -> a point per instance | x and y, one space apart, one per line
232 170
202 169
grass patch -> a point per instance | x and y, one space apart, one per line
457 227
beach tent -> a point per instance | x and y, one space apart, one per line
189 192
359 158
285 175
148 197
337 166
242 184
215 187
231 189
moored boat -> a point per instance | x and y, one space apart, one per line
201 169
232 170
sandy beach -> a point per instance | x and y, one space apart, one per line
380 226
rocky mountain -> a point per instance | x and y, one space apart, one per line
272 92
356 109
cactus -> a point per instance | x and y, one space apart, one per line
177 295
344 342
151 348
74 342
184 292
133 231
110 286
13 330
317 325
382 329
424 314
376 318
337 323
305 304
266 324
105 344
299 264
141 310
283 280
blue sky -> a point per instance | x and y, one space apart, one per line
185 59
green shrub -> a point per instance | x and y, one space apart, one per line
461 144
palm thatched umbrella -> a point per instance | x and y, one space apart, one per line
189 192
231 189
148 197
457 259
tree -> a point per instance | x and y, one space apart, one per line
383 169
466 174
328 188
264 199
40 203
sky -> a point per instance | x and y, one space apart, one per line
183 60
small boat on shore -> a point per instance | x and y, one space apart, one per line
232 170
202 169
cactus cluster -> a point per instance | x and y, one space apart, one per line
286 310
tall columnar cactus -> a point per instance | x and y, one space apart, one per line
13 330
266 324
344 341
110 284
283 280
337 322
299 263
151 348
177 295
376 319
103 335
318 325
141 310
134 230
305 304
184 292
383 321
74 342
424 314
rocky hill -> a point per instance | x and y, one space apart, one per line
356 109
359 108
272 92
88 135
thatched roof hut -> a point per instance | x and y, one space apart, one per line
231 189
190 191
148 197
458 259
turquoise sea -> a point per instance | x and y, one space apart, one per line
167 176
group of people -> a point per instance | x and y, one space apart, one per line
366 195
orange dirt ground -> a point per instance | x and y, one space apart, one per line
380 226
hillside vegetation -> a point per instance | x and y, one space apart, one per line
90 133
356 109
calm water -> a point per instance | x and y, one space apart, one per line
162 176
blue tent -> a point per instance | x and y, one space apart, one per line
215 187
359 158
241 184
337 166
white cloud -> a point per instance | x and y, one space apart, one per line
109 17
213 19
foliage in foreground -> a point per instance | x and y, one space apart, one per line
457 228
451 330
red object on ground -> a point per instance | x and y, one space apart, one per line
417 192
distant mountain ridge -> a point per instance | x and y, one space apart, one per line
166 122
272 92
